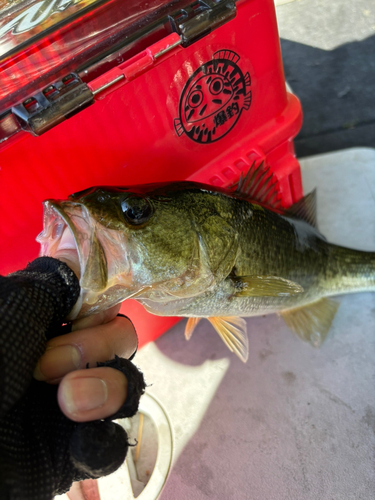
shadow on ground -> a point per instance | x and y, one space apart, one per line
337 91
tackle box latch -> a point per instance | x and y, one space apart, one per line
53 105
202 17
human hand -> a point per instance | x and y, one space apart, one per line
98 393
86 395
46 440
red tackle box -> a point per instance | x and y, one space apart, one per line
123 92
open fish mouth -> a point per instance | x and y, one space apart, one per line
66 233
104 268
66 228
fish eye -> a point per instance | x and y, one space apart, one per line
216 86
195 98
136 210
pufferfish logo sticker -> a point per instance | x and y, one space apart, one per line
213 99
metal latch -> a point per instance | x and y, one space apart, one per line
133 67
202 17
54 104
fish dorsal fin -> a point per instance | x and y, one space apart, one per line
226 54
233 332
190 327
259 185
311 322
264 286
304 209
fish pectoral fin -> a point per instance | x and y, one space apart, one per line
190 327
311 322
264 286
233 332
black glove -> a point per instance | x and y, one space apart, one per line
41 451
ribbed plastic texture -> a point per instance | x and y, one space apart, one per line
142 132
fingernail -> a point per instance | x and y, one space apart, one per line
57 362
83 394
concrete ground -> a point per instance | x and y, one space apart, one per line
329 59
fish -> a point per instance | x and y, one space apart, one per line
213 98
198 251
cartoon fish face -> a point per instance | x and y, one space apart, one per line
213 99
207 96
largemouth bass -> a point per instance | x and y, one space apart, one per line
197 251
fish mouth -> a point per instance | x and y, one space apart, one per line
70 233
66 233
65 226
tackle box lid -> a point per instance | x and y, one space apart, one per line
42 41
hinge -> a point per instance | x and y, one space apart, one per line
202 17
53 105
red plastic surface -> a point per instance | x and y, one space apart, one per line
130 136
132 68
68 47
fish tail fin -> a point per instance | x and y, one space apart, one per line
247 79
190 327
311 322
179 129
247 100
226 54
233 332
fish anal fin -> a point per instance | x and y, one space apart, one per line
190 327
247 79
311 322
233 332
258 185
304 209
264 286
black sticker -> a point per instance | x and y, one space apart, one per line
213 99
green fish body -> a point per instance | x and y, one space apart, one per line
185 249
